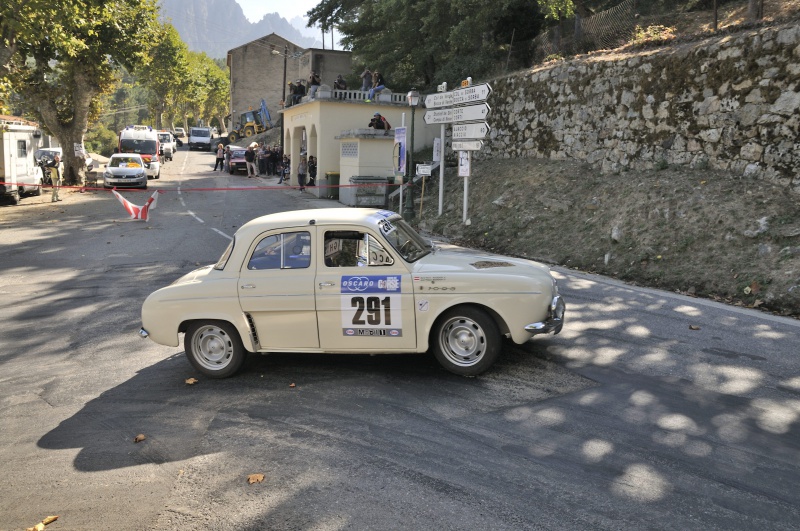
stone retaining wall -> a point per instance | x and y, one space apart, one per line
729 102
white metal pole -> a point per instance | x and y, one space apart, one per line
403 184
466 196
441 171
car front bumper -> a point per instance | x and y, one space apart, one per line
554 321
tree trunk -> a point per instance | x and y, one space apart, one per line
754 10
70 133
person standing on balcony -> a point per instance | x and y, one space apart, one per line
366 80
339 84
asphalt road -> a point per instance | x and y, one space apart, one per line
629 419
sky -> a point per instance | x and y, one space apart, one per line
254 10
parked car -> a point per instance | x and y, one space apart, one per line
125 170
180 132
51 151
167 144
237 160
351 280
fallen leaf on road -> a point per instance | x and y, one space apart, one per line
757 303
255 478
694 327
139 438
40 525
192 381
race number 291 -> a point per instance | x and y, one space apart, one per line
371 305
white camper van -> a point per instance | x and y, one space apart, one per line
19 139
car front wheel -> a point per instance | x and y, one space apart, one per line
466 341
214 348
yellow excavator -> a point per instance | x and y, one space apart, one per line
251 122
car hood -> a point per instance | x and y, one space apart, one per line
119 172
453 259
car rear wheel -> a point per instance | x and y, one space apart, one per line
214 348
466 341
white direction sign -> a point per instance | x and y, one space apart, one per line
476 130
467 145
440 99
471 113
470 94
439 116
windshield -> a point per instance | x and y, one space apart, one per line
164 138
125 162
220 265
404 238
201 132
131 145
238 153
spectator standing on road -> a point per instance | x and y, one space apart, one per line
55 176
313 84
285 169
378 84
250 161
220 158
302 171
366 80
227 158
262 159
312 171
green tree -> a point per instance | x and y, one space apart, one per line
66 56
557 9
166 74
423 42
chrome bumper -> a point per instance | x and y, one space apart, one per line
554 321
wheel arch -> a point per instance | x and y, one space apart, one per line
502 326
240 324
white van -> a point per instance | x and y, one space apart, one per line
20 174
142 139
200 138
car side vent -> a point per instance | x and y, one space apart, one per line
252 326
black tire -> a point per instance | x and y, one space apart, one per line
466 341
232 138
14 197
37 190
249 131
214 348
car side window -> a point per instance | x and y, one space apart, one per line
354 249
290 250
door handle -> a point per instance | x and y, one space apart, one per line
248 286
324 284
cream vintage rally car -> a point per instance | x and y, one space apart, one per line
351 280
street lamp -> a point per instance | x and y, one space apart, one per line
408 212
285 58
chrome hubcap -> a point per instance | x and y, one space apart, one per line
463 341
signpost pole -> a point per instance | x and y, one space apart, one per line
441 173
